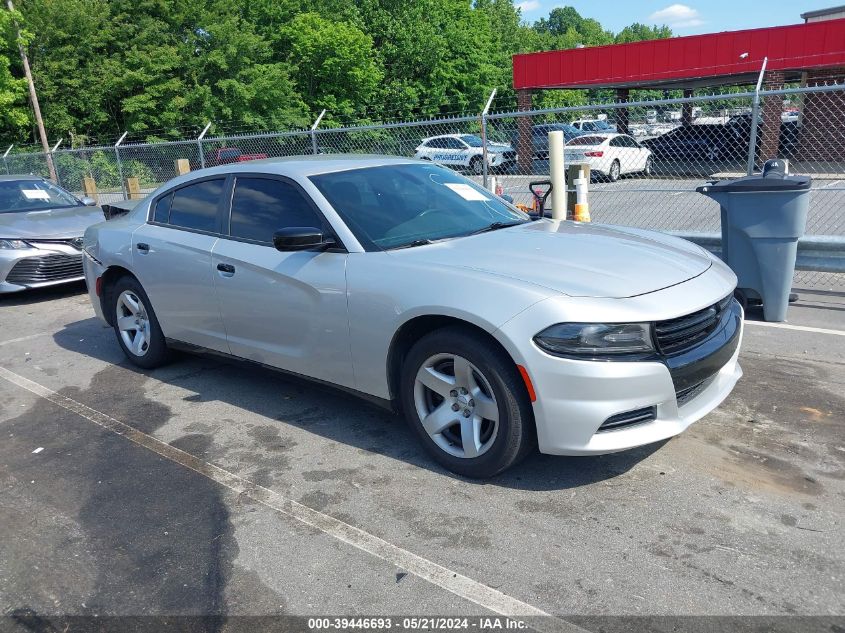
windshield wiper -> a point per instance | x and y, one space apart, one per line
422 242
495 226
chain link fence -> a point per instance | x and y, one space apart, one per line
646 157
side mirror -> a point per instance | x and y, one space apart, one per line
300 238
88 202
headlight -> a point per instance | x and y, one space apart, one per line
13 245
591 340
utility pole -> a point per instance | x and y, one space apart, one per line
33 98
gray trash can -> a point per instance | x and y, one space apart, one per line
763 216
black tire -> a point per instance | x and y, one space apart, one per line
713 153
742 298
614 174
649 166
516 434
476 166
156 352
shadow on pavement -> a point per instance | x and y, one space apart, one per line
313 407
40 295
100 526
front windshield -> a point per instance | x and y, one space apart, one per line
33 195
471 140
393 206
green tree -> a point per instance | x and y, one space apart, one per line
335 65
637 32
14 113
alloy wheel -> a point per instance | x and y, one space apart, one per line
456 405
133 323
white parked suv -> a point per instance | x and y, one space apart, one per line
466 151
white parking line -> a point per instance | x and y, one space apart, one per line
800 328
442 577
24 338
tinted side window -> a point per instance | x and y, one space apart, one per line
261 206
162 209
195 206
617 142
437 143
453 143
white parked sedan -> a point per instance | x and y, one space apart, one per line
407 284
609 155
466 151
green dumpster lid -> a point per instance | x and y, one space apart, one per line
772 182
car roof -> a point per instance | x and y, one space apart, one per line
429 138
14 177
298 166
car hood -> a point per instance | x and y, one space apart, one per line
499 147
49 223
579 260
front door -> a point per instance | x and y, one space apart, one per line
284 309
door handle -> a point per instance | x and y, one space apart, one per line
226 269
142 248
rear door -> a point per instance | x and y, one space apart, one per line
284 309
638 154
172 260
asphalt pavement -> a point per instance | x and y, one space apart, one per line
209 487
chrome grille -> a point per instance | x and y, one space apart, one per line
47 268
676 336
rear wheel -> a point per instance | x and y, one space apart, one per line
615 171
467 403
649 166
136 325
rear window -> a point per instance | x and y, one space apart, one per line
195 206
587 140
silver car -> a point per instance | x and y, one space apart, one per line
408 284
41 227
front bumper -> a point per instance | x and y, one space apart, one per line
575 397
39 268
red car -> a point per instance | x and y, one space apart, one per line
228 155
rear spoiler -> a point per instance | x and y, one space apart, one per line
114 210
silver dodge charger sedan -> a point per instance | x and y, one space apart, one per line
411 286
41 227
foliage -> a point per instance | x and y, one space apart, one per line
161 69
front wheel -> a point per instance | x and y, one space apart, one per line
476 165
466 401
136 325
649 167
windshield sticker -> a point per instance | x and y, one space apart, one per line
35 194
466 192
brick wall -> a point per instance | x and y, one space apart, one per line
822 135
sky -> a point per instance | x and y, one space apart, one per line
689 17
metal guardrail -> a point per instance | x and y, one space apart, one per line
820 253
